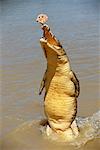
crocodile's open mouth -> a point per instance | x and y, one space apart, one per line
42 39
51 45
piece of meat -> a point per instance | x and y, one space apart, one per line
42 18
47 34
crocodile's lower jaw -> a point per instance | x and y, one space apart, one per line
43 40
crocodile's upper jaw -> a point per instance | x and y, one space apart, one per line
43 40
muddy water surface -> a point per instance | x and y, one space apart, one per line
76 24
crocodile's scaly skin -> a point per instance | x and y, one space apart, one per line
61 87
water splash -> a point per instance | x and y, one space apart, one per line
28 134
89 130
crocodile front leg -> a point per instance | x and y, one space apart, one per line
42 85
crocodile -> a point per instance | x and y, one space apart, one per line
61 87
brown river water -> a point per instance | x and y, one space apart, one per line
76 24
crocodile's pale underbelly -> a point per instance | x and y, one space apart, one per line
59 104
61 85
